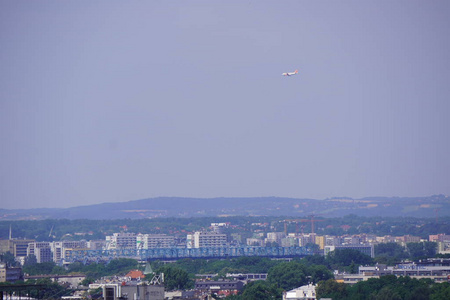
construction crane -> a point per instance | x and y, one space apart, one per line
312 220
296 221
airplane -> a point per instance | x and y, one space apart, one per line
290 73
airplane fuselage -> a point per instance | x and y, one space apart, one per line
290 73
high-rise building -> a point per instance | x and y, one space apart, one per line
148 241
207 239
41 250
123 240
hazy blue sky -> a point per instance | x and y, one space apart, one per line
104 101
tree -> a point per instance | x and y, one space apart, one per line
389 253
345 257
175 277
319 273
388 293
419 250
261 290
430 248
9 259
440 291
39 268
331 289
120 266
30 260
288 275
52 290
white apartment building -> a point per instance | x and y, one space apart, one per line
206 239
41 250
149 241
275 237
58 248
123 240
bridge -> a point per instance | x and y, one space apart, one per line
180 253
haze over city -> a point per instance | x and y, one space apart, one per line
112 101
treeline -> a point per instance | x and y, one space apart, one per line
50 230
387 287
392 253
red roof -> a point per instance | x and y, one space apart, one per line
135 274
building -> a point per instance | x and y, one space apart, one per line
434 269
149 241
289 241
306 292
41 250
72 280
8 274
96 244
223 288
58 248
123 240
247 276
275 237
255 242
16 247
219 227
320 241
135 275
206 239
116 291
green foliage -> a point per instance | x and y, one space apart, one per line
288 275
319 273
223 266
52 290
347 259
261 290
389 253
120 266
385 287
30 260
9 259
421 250
440 291
39 268
331 289
175 278
87 281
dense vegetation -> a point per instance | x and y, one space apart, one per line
391 253
386 287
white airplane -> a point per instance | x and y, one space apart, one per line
290 73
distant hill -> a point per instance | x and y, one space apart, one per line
256 206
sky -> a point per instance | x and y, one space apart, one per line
108 101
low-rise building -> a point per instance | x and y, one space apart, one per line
306 292
116 291
224 287
10 274
73 280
